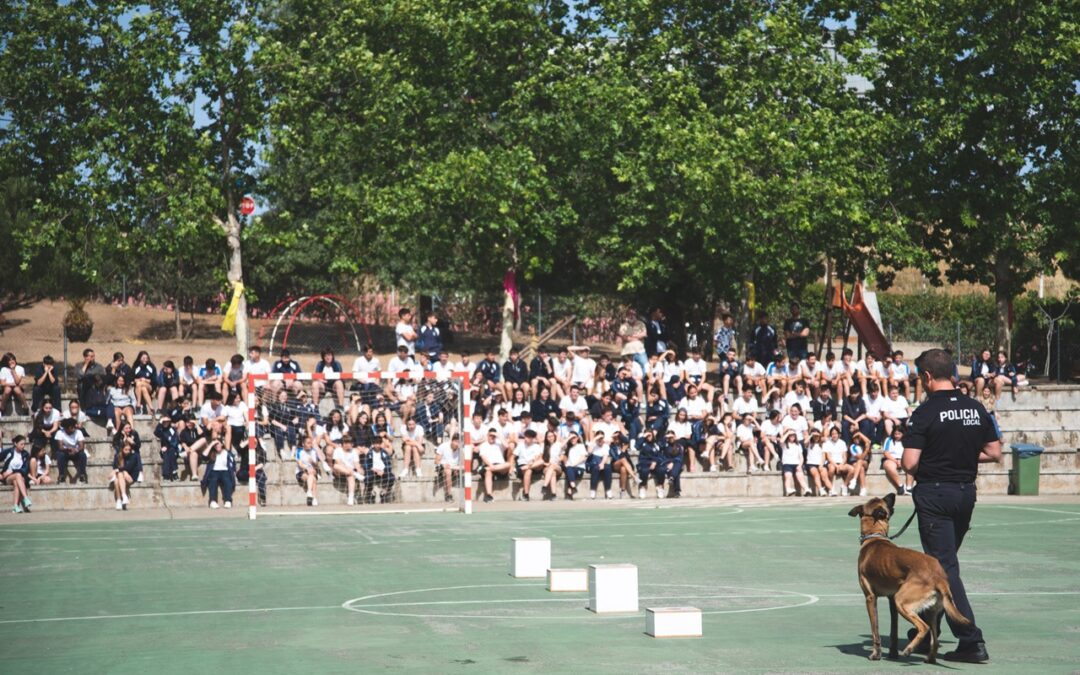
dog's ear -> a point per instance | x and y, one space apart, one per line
880 514
890 501
855 512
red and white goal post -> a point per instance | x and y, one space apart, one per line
459 387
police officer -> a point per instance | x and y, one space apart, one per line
948 436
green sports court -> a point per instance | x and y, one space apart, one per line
431 591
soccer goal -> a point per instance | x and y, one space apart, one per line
397 421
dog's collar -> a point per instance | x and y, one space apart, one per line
872 535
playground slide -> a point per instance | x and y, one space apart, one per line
866 319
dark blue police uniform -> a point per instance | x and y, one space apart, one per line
950 429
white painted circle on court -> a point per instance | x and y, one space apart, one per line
376 603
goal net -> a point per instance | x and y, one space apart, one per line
354 439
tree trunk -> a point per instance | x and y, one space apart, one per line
236 275
744 320
1002 298
177 319
506 342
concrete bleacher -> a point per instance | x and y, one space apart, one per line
1046 415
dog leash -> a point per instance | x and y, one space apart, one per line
905 527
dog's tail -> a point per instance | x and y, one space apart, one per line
950 606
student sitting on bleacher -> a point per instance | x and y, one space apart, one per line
127 466
14 471
72 449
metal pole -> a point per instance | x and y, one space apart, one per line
125 290
1059 352
539 313
574 334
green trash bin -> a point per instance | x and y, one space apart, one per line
1024 475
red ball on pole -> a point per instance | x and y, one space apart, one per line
247 206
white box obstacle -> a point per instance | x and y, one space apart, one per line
673 622
613 588
530 557
562 579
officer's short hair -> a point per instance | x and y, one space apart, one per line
936 362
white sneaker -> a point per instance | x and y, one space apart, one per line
622 494
109 426
357 475
789 493
418 474
228 505
592 494
659 493
139 479
314 502
119 505
862 492
125 500
326 468
309 494
852 483
845 491
214 505
808 493
641 492
352 501
714 469
610 494
753 469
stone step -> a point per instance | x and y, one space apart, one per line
1046 437
1059 418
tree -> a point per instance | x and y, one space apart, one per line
982 104
752 157
393 136
127 115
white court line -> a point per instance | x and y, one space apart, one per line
570 599
257 610
1032 508
254 610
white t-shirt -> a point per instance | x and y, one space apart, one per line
446 455
899 371
260 367
560 368
400 331
474 432
69 441
12 378
607 429
43 465
771 430
696 369
815 454
744 432
812 373
491 453
582 370
221 461
469 367
875 370
16 462
527 452
681 429
377 463
50 419
350 458
743 406
897 408
672 369
576 456
400 365
696 408
417 434
236 415
834 450
207 411
874 405
307 458
835 370
82 418
756 370
791 454
894 449
793 397
363 364
798 424
578 407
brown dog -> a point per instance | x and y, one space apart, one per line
914 582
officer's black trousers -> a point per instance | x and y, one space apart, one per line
944 516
